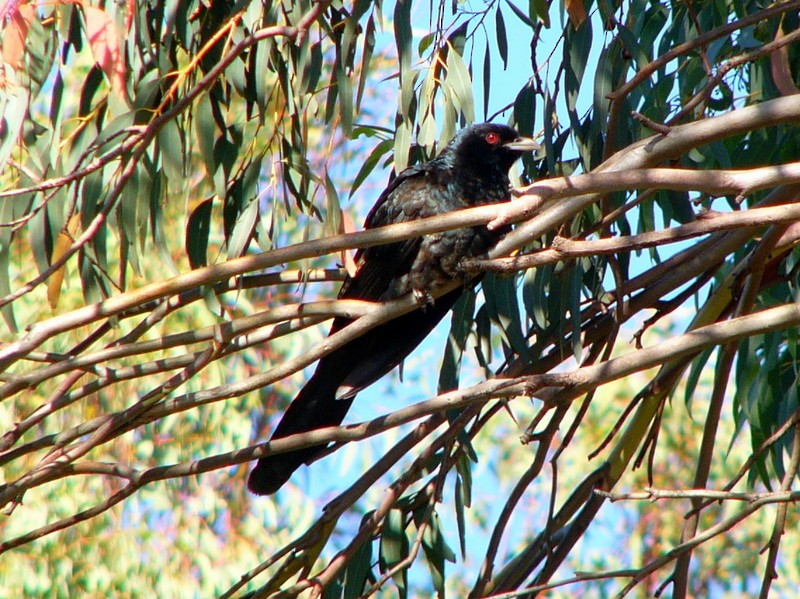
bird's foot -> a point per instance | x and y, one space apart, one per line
423 298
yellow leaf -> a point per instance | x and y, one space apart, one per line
347 226
576 11
63 243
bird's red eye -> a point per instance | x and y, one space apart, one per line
492 138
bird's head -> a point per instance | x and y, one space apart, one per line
488 146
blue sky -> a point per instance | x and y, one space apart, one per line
324 479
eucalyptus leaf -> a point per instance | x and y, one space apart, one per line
197 233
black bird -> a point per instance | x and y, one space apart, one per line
471 170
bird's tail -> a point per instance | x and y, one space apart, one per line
327 396
314 407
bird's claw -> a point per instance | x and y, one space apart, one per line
423 298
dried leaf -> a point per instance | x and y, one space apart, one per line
62 244
781 69
14 35
104 40
576 11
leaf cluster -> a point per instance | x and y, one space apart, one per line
151 139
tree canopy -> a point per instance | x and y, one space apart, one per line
181 185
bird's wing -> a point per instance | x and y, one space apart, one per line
377 267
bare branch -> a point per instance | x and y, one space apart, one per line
651 494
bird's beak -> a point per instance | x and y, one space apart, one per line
523 144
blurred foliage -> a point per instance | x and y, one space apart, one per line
157 157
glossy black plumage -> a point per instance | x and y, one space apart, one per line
472 170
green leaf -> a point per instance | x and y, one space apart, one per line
463 499
197 233
313 71
243 191
334 589
261 65
459 81
535 291
226 151
676 205
56 98
236 73
542 10
603 85
170 141
457 39
206 129
41 238
573 294
243 230
128 221
146 94
157 223
358 568
13 107
403 34
113 132
91 195
366 56
502 39
394 548
93 81
460 327
549 149
346 110
721 98
577 48
435 551
521 15
5 289
333 208
525 110
632 45
402 145
370 163
39 47
74 35
503 309
483 332
487 80
425 43
94 284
